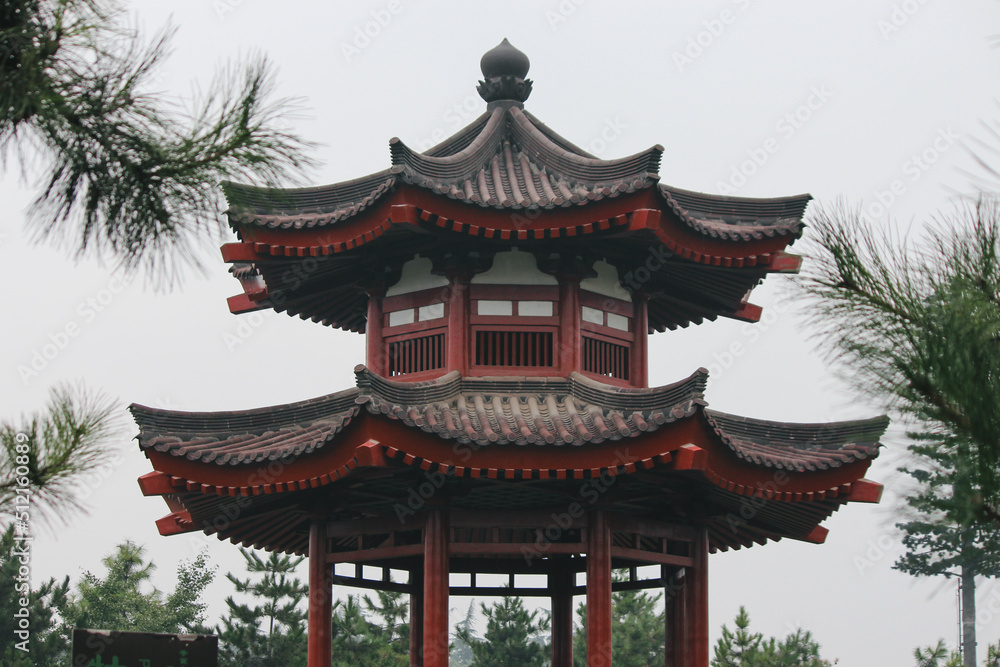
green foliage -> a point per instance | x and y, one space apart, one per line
514 636
937 656
125 172
743 648
371 633
47 644
914 326
123 599
57 447
636 629
270 631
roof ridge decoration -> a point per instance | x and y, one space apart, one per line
505 72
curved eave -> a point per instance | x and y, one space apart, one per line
639 211
380 441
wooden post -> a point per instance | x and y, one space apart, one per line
675 599
459 337
561 584
598 590
697 602
376 352
435 619
416 617
640 337
320 640
570 317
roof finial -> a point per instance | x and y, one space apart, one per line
504 69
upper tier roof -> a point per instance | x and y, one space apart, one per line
508 159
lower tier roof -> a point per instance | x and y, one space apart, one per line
521 444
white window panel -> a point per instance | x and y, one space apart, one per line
431 312
534 308
593 315
401 317
617 322
496 307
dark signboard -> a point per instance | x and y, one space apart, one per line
100 648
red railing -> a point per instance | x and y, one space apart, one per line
607 358
514 348
413 355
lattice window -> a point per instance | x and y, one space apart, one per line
514 348
413 355
603 357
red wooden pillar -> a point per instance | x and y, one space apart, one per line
598 590
675 635
320 641
459 341
435 619
696 586
416 617
570 317
640 335
561 582
376 353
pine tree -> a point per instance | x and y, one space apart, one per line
514 636
743 648
740 648
124 174
270 630
636 628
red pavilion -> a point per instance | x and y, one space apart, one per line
506 281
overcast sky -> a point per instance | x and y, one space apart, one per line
867 100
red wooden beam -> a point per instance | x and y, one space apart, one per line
176 523
748 312
561 583
865 491
675 605
784 262
157 484
817 536
696 622
320 629
435 618
416 582
599 590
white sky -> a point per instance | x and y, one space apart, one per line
609 77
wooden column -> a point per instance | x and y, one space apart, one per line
570 317
376 352
598 590
320 640
696 586
561 581
435 619
416 617
640 336
459 337
675 598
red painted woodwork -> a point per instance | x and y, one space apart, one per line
598 590
415 353
603 357
507 346
676 592
561 584
338 459
640 346
640 210
569 325
320 640
373 333
458 323
435 617
696 600
416 617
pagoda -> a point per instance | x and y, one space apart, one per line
506 281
